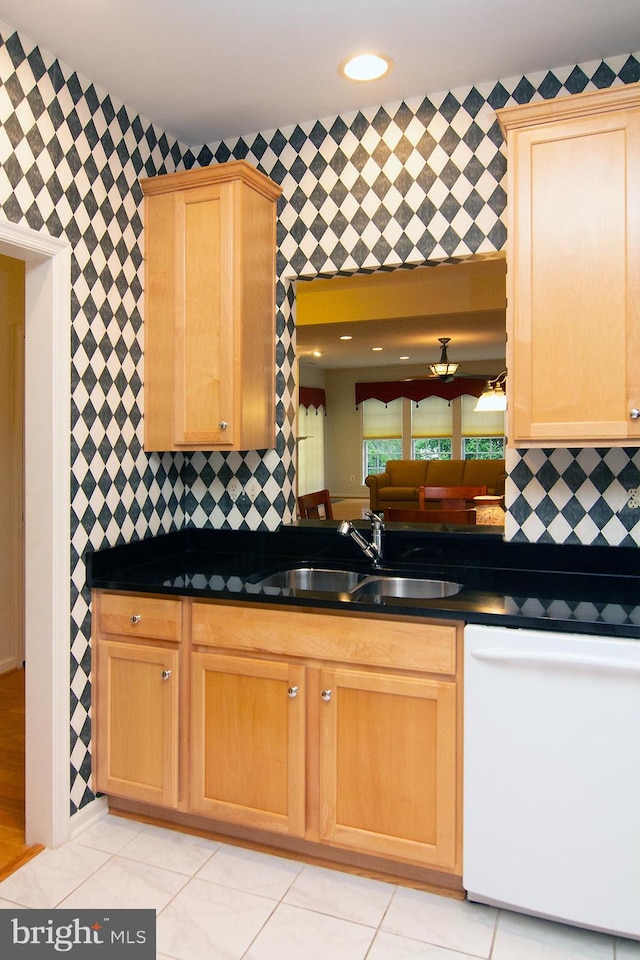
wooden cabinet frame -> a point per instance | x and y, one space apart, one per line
573 277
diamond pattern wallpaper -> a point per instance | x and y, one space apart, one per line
399 186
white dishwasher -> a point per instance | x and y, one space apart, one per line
552 775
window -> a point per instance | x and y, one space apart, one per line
381 433
431 429
310 449
482 432
377 452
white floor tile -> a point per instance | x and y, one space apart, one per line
627 950
527 938
179 852
456 924
249 870
124 883
340 894
293 933
52 875
109 833
206 920
390 946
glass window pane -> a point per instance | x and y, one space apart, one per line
483 448
377 452
431 448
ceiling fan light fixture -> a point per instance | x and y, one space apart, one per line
444 368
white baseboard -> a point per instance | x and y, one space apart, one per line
89 814
9 663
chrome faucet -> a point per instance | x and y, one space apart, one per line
372 549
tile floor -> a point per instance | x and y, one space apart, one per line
226 903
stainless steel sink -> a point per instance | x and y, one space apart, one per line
360 586
407 588
314 579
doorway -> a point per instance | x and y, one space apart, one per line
47 287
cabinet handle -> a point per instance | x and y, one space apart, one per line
634 414
136 618
326 695
166 674
223 424
293 692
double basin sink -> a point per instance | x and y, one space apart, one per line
374 587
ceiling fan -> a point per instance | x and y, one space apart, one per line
444 368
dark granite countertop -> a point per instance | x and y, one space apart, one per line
574 588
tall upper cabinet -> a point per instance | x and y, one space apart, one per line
573 269
209 325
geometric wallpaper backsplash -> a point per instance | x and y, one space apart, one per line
402 185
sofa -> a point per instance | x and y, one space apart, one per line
398 485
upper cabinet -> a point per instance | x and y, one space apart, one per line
573 269
209 341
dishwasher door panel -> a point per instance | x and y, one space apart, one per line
552 775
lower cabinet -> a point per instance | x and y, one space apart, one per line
336 732
136 666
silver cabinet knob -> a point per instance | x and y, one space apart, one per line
293 692
326 695
166 674
136 618
634 414
223 424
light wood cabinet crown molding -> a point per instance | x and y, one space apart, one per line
590 103
232 170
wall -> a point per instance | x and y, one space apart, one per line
401 185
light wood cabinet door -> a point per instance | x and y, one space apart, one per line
137 721
248 741
573 279
388 765
209 378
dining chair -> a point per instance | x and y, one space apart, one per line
315 506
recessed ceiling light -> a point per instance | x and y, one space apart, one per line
366 66
404 358
317 353
376 349
346 338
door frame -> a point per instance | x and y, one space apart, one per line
47 469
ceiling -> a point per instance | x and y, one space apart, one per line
208 70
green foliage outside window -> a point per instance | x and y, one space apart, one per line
483 448
377 452
432 448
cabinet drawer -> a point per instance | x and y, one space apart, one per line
132 616
373 641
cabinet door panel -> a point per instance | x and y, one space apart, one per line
137 720
388 771
573 316
248 742
204 343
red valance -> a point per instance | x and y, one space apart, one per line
387 390
312 397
